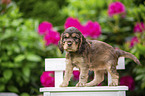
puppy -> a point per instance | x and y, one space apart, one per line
89 55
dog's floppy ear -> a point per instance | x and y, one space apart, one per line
60 44
82 44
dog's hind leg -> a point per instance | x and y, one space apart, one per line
111 68
98 78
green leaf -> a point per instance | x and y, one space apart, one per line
143 85
139 77
26 79
2 87
141 48
26 71
33 57
19 58
13 89
124 29
7 74
16 22
6 35
137 54
24 94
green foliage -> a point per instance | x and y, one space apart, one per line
84 9
22 53
45 10
22 50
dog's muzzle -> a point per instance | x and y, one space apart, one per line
69 43
70 46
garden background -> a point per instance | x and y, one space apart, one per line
30 30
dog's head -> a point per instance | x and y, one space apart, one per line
72 40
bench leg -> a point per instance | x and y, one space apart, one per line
46 94
109 79
121 93
58 78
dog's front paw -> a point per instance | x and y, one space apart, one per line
114 82
63 85
80 84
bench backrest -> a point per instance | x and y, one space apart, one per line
58 66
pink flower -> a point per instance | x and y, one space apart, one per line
128 81
139 27
92 29
73 22
76 75
116 8
134 41
52 37
47 79
44 27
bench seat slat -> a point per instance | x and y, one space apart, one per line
86 89
58 64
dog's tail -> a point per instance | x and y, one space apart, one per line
122 53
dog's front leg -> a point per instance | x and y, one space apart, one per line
83 77
68 73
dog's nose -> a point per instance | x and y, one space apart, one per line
69 43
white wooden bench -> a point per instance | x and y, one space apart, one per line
58 65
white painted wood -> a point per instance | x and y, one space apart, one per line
58 78
55 64
87 89
121 93
109 79
58 65
86 94
46 94
121 63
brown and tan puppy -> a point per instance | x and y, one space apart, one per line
89 55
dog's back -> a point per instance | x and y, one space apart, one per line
100 54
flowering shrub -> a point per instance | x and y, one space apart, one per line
128 81
91 29
47 79
134 40
116 8
50 36
73 22
44 28
139 27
